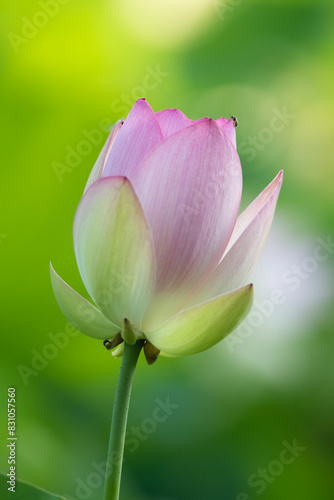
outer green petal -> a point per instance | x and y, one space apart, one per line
79 312
201 327
114 250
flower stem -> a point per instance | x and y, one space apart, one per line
119 419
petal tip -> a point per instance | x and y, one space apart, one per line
142 102
278 180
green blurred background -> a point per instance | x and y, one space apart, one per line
78 68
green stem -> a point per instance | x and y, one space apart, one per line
119 419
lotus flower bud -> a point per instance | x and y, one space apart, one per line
158 241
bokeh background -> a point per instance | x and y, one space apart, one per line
69 70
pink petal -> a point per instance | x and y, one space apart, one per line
229 129
190 188
171 121
244 248
200 120
97 171
139 134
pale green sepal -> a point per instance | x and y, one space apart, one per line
201 327
79 312
128 332
151 353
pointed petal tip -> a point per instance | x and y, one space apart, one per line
276 182
139 134
141 102
208 126
227 129
140 105
246 290
53 272
172 121
209 122
98 169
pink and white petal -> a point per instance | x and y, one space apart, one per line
199 328
252 210
171 121
200 120
97 171
81 313
190 189
114 251
139 134
245 246
229 129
